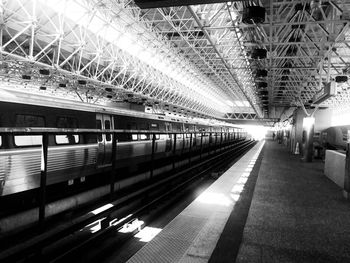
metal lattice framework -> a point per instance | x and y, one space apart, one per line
96 50
189 60
307 45
215 53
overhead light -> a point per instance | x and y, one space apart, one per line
26 77
253 15
45 72
341 79
108 89
259 53
261 73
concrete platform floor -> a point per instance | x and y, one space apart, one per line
296 215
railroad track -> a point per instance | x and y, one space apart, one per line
115 215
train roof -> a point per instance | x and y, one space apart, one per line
7 95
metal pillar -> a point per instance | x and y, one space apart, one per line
174 150
114 164
43 177
346 191
216 138
210 145
308 134
220 142
201 150
152 155
190 150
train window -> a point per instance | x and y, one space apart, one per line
134 137
157 136
179 136
67 122
168 126
154 126
28 140
144 137
143 126
124 137
131 126
67 139
23 120
29 121
164 136
99 127
0 141
108 127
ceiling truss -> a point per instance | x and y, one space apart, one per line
190 60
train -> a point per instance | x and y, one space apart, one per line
78 159
335 137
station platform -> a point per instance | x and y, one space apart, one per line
297 214
268 207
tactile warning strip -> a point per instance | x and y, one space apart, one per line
192 235
178 236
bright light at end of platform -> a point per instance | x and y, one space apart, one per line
214 198
256 131
148 233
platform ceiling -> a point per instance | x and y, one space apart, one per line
195 60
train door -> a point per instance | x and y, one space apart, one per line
104 141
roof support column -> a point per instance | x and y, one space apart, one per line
346 191
307 138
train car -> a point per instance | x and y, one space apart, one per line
74 158
335 138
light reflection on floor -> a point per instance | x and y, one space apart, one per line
148 233
101 209
239 186
94 226
227 200
214 198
